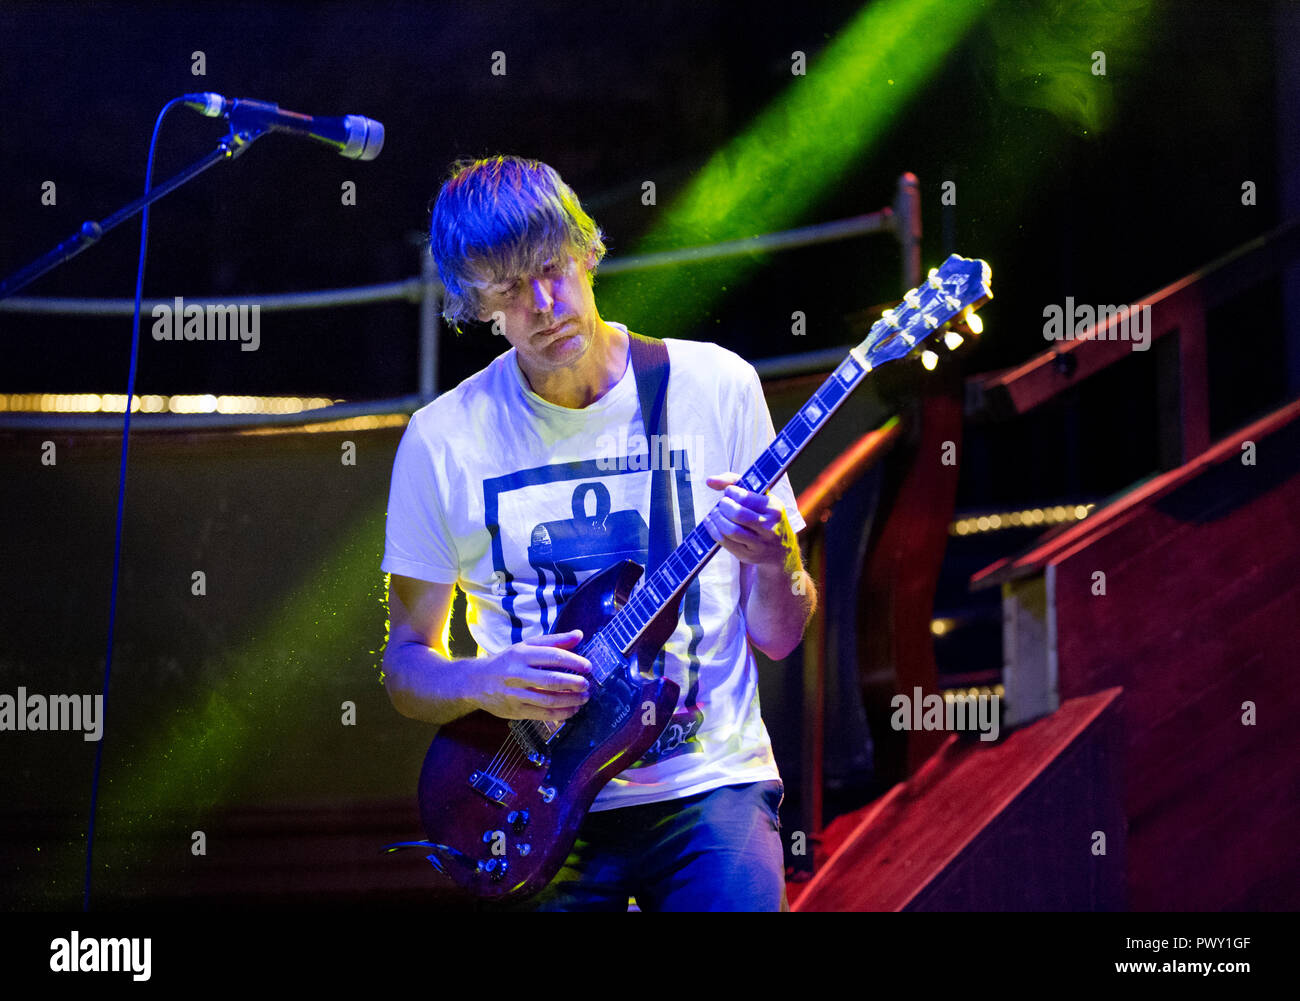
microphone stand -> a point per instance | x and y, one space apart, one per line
92 232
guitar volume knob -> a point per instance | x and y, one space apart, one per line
495 868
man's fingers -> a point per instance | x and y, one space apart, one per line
555 681
743 515
560 660
721 525
552 650
554 715
553 707
566 640
553 700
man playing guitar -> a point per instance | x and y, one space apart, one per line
494 490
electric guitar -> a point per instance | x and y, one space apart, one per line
501 800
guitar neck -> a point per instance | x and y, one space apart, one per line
697 548
954 290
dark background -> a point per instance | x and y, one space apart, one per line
611 95
1101 189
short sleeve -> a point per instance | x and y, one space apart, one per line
755 433
417 541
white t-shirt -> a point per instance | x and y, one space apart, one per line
518 500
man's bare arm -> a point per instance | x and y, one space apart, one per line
536 679
778 602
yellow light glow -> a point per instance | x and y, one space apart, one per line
115 403
1030 516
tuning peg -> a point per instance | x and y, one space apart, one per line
971 321
929 359
952 339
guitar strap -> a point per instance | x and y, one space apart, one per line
650 366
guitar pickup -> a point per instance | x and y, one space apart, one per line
491 787
531 743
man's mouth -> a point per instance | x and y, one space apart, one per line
551 332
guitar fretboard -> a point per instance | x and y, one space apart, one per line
958 287
698 547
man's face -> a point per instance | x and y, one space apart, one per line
550 318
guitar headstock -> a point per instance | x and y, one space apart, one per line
953 292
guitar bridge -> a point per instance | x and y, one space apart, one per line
491 787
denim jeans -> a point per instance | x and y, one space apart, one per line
718 850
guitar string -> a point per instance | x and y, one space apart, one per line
517 756
497 758
508 769
514 757
517 753
509 756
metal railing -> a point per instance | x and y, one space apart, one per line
1177 332
902 220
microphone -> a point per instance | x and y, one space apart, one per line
352 136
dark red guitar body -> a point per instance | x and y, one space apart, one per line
501 825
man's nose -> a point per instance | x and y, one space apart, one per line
543 297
